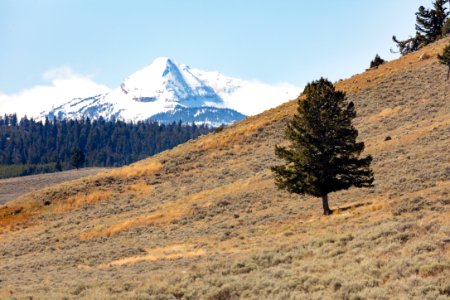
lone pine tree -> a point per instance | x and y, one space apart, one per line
444 59
323 155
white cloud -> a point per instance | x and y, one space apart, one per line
255 97
63 72
65 84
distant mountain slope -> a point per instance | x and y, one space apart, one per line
205 220
165 90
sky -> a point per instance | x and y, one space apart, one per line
54 49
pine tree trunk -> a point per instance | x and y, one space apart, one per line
326 209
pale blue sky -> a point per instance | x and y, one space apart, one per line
271 41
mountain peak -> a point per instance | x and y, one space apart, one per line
161 63
151 74
167 90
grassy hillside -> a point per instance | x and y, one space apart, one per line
205 220
11 188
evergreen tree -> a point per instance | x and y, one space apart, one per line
106 143
377 61
446 28
323 156
444 59
430 26
58 166
77 158
430 22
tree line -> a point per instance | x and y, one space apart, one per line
50 145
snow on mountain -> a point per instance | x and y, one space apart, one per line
166 91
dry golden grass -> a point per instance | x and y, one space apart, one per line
172 210
12 220
374 77
409 134
17 213
137 169
169 252
22 210
29 205
81 200
139 190
158 218
387 112
12 188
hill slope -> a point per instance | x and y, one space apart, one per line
11 188
205 220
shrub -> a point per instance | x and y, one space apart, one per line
377 61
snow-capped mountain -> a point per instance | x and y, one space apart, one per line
166 91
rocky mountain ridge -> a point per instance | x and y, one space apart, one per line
166 91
